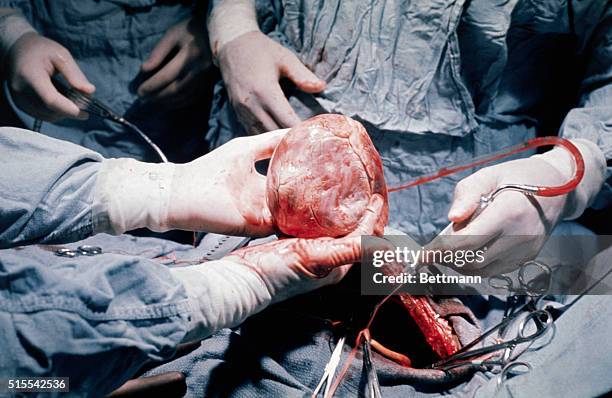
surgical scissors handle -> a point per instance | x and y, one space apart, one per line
526 286
330 370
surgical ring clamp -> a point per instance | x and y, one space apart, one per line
83 250
467 355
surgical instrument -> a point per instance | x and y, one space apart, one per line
90 105
526 286
541 317
470 356
330 370
373 385
83 250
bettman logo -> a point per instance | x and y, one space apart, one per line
411 257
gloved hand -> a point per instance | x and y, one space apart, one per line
514 227
31 62
252 65
224 293
220 192
177 81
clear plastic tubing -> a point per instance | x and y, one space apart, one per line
504 153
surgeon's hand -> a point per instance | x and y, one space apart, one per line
222 192
219 192
226 292
32 61
514 227
294 266
178 63
252 65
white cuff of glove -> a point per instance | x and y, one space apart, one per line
228 20
594 174
222 294
13 25
130 194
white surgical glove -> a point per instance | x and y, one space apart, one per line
252 64
514 227
224 293
219 192
228 20
30 61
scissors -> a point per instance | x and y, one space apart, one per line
542 319
330 370
484 356
83 250
533 287
372 383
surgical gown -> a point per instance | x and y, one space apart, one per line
109 40
64 317
437 82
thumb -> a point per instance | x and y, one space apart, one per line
293 69
322 255
468 192
263 145
371 216
67 66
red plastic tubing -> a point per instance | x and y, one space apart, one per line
504 153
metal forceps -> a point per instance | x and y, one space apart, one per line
532 287
373 385
542 318
470 356
535 288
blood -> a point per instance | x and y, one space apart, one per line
563 189
419 308
321 178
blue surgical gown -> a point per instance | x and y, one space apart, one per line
96 319
438 82
109 40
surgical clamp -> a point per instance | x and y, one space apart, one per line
542 318
89 104
467 356
83 250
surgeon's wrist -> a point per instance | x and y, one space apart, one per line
130 194
594 174
221 294
228 21
13 26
